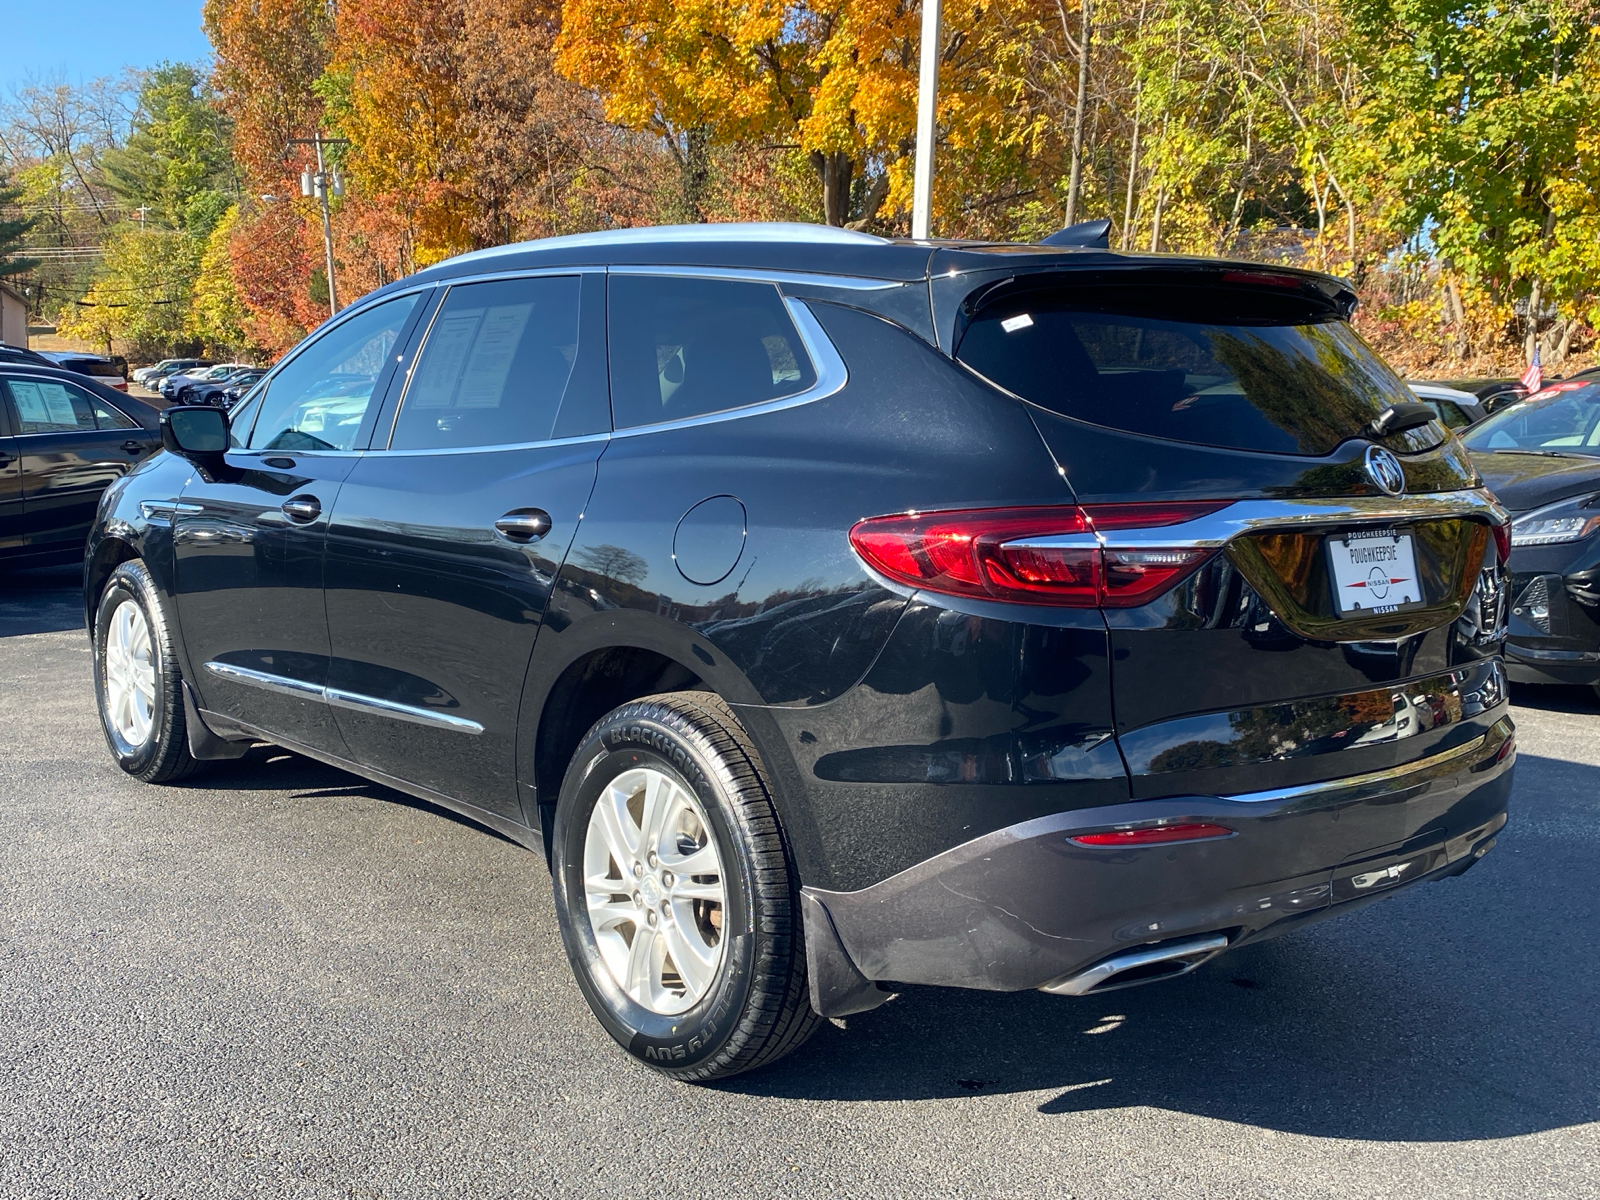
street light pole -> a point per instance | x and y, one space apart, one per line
927 112
319 185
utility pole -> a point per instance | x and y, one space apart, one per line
319 185
927 114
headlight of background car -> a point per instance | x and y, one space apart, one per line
1567 521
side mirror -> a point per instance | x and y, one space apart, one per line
194 430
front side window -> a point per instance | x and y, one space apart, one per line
1566 422
44 406
495 366
1206 365
319 398
685 347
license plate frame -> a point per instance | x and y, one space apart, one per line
1373 571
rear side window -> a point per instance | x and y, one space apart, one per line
1211 366
685 347
495 366
47 407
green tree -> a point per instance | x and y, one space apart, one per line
1488 124
144 294
12 231
177 162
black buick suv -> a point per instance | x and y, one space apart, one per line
837 613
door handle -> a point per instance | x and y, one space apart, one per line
302 508
6 459
133 447
523 525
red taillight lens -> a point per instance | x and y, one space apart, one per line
1033 555
1153 835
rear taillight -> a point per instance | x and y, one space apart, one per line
1066 556
1154 835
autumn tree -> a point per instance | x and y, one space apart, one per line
835 80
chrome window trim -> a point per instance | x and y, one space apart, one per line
496 448
1389 778
340 698
832 375
853 283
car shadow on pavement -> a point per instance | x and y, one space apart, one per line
1458 1010
266 767
40 600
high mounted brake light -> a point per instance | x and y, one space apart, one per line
1061 556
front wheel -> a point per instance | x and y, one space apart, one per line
676 898
137 683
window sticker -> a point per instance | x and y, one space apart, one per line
484 382
1020 321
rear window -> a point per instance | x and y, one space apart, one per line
1213 366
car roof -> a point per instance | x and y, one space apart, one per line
800 248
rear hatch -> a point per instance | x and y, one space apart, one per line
1337 607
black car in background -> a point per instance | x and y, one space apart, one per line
17 354
839 613
1542 458
63 439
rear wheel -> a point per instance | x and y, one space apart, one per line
138 685
677 902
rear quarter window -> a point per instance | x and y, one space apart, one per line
1211 366
684 347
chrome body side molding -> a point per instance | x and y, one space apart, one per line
340 698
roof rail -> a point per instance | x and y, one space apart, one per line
727 231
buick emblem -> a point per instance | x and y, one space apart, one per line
1385 471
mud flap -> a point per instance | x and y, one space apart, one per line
838 988
204 745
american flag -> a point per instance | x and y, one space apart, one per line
1533 377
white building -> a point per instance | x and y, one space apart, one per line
13 317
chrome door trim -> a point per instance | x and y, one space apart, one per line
281 684
339 698
1390 779
832 375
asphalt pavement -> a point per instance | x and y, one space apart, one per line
280 980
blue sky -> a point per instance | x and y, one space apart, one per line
84 39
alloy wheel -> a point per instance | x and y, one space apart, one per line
655 890
130 674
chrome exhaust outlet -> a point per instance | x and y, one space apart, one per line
1166 961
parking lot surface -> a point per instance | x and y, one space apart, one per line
280 980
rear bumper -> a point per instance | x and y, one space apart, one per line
1023 907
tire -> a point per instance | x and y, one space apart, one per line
751 1005
147 733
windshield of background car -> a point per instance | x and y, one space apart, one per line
1210 365
1567 422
